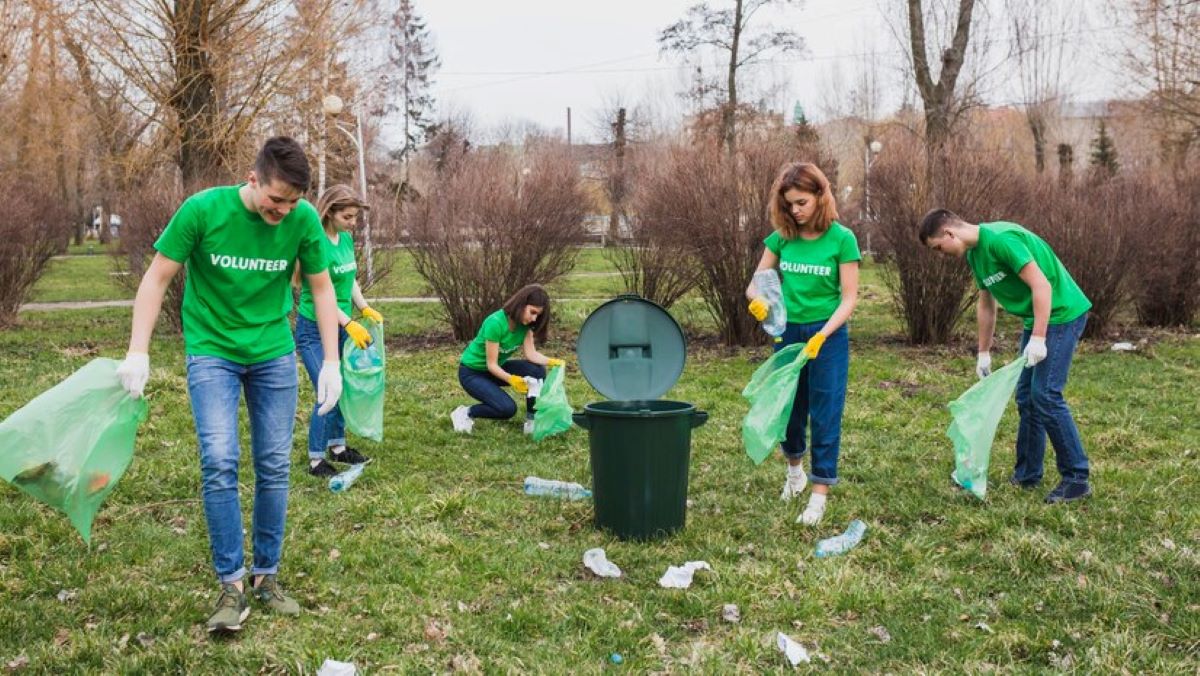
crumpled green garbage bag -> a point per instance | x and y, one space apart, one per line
771 393
553 410
72 443
975 416
363 384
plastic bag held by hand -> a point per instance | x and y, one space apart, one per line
364 384
72 443
767 283
553 409
975 416
771 393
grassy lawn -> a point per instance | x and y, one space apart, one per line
79 278
436 559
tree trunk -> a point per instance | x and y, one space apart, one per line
938 97
729 111
617 179
1038 127
195 100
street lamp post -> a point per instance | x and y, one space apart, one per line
333 107
870 153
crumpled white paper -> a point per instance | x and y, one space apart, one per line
598 563
794 651
335 668
680 577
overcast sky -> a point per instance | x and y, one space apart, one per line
528 60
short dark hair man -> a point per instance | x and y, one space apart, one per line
1017 269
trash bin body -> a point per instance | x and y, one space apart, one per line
632 351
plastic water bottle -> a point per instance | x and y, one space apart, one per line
767 282
342 482
555 489
843 543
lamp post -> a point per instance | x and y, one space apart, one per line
333 106
870 153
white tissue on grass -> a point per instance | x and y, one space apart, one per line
794 651
598 563
680 577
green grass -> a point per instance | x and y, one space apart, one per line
438 530
79 278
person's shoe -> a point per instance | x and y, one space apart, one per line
322 469
349 456
230 612
815 510
1026 485
1065 492
268 593
461 417
793 486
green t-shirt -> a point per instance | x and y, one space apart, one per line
342 269
809 273
239 270
996 261
494 330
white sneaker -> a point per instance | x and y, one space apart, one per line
793 487
815 510
461 418
528 427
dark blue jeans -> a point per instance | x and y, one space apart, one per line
326 430
215 386
486 388
1044 412
821 397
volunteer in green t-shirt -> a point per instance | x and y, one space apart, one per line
1017 269
817 260
239 244
338 209
486 365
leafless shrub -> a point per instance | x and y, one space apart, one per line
35 227
493 222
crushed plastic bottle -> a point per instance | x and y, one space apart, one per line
341 483
555 488
366 358
840 544
767 282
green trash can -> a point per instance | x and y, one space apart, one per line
632 351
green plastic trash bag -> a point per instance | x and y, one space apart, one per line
363 380
70 446
553 410
771 393
975 416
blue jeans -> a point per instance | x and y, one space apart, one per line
821 396
1044 411
486 388
326 430
215 386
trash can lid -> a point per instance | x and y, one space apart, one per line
630 348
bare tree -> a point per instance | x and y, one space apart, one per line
1040 50
727 31
938 95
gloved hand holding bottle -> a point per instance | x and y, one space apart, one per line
359 334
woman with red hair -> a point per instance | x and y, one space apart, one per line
817 261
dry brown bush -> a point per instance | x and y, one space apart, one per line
492 222
35 227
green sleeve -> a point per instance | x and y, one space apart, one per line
1011 252
312 254
848 250
182 232
774 242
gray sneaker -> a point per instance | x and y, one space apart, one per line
230 612
268 593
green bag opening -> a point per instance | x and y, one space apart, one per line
363 384
974 418
553 409
70 446
771 393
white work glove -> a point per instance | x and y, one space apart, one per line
134 372
1035 351
983 365
329 386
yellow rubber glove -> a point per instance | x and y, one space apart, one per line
552 362
358 334
373 315
758 309
814 345
518 383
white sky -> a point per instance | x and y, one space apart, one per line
512 61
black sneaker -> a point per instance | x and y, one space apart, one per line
349 456
1065 492
322 469
1026 485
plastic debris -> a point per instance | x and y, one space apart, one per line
794 651
616 658
596 561
730 613
840 544
340 483
1123 347
555 488
335 668
680 577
